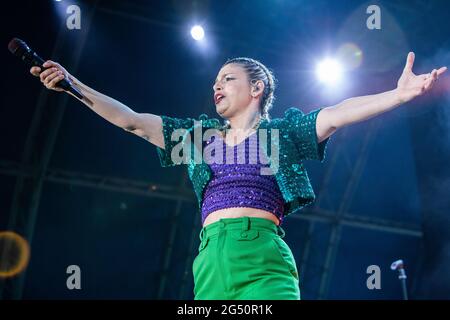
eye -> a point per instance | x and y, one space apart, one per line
226 80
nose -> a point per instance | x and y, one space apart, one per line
217 86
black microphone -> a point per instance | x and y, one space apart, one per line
20 49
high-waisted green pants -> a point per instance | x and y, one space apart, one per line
244 259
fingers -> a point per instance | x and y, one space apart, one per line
51 76
50 63
35 71
44 74
410 61
52 84
433 76
435 73
51 67
51 81
441 70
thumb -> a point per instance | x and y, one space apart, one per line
409 61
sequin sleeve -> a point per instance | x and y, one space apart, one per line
302 128
169 125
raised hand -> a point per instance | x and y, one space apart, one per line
410 85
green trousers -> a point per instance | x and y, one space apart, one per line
244 259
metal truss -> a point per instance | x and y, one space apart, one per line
37 153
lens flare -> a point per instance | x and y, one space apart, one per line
14 254
350 55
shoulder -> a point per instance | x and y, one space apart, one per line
293 112
296 116
296 120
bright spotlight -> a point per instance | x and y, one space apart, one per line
197 33
329 71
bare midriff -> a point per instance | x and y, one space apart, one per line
239 212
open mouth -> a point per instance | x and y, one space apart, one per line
219 98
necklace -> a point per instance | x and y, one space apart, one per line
255 127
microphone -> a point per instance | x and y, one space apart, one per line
398 265
20 49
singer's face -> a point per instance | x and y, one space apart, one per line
232 82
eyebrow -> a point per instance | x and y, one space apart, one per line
226 74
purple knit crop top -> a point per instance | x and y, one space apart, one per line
239 183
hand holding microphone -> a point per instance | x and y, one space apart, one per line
52 75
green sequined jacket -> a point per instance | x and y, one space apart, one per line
297 142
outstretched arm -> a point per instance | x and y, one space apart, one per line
145 125
358 109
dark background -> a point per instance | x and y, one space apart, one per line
60 162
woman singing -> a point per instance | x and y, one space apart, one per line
242 254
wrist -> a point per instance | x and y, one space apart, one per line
74 80
399 96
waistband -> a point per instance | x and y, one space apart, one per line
241 223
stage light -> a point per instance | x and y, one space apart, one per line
329 71
197 33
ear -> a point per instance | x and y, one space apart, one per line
258 88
